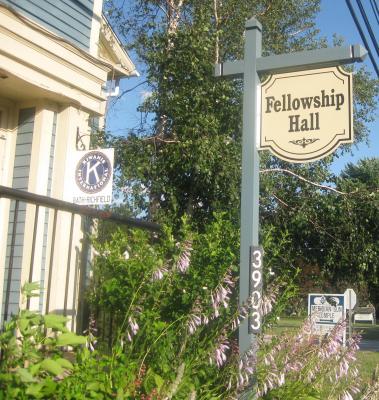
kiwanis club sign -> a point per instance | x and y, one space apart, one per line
306 115
93 177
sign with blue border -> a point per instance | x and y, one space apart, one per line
327 310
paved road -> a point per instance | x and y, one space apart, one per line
371 345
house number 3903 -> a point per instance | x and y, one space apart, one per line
255 283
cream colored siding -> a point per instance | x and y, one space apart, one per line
46 216
50 89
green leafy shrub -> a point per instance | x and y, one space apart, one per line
32 362
171 304
174 319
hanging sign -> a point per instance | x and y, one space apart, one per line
306 115
327 310
93 177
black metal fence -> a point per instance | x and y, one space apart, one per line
22 198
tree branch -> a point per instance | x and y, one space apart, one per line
159 139
261 14
280 200
314 223
129 90
325 187
304 28
217 45
163 10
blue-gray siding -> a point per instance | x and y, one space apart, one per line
20 181
70 19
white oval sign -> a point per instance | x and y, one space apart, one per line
306 115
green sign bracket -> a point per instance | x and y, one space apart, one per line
296 61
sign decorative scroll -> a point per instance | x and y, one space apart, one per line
306 115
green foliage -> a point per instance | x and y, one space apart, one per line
32 353
176 355
169 318
151 291
332 236
365 173
186 158
172 308
174 331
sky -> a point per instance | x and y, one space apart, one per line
334 18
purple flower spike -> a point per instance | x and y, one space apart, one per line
219 356
346 396
133 328
194 322
184 259
221 295
159 273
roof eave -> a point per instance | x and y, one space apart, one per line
124 67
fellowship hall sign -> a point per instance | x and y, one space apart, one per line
306 115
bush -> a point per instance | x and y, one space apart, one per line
174 316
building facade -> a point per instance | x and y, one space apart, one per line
57 57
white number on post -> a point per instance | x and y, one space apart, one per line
255 297
256 277
257 258
255 321
256 282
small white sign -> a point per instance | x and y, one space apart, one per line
350 299
327 311
93 177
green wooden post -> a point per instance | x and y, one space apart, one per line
249 69
250 167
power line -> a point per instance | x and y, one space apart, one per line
368 26
362 35
375 10
376 7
